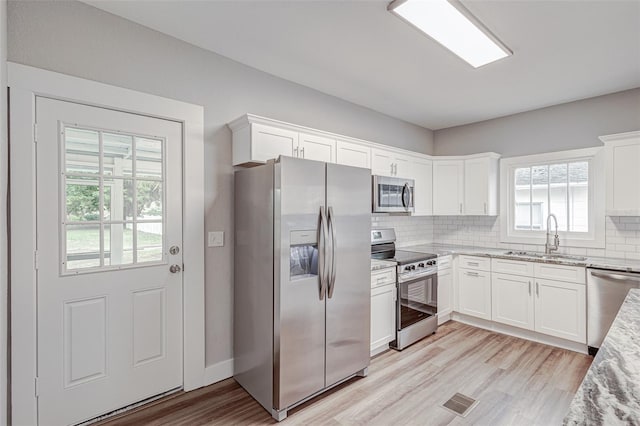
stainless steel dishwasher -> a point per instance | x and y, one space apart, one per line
606 290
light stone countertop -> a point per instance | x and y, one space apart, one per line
625 265
377 264
610 392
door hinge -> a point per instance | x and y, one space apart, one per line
36 260
35 132
35 387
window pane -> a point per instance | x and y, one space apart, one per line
148 158
118 199
522 198
118 154
83 246
82 151
150 247
540 196
558 194
149 199
118 244
82 199
579 196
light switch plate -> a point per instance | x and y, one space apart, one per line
215 239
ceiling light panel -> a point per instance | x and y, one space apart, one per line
459 32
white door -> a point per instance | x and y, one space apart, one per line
448 187
317 148
476 186
422 173
445 290
271 142
352 154
402 166
474 293
561 310
109 197
512 300
382 162
383 316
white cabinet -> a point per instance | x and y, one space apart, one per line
257 143
390 163
448 187
445 289
383 309
353 154
422 173
474 293
560 309
511 300
622 156
314 147
481 186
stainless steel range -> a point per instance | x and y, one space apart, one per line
417 278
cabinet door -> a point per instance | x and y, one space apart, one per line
353 154
402 166
560 310
623 177
476 186
271 142
383 316
422 173
382 162
448 187
474 293
313 147
445 295
512 300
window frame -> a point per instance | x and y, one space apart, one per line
594 238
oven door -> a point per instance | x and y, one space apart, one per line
417 300
392 195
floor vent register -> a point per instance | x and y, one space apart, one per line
460 404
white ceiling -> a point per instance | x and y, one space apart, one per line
356 50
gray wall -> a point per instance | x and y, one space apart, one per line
561 127
77 39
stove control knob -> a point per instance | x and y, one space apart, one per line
420 265
407 268
413 267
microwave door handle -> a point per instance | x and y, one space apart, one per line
332 275
405 196
322 249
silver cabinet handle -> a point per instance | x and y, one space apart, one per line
537 289
460 208
472 274
529 288
322 248
174 269
302 152
485 208
332 276
295 151
473 263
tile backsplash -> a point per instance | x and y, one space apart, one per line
410 230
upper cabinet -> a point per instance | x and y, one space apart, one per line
320 148
466 186
481 186
353 154
622 173
421 170
258 143
448 187
390 163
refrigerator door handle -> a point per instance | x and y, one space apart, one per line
332 275
322 249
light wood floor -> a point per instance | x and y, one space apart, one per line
516 381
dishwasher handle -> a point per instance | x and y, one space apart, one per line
616 277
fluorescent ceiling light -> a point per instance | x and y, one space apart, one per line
453 27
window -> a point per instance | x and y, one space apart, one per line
113 199
565 184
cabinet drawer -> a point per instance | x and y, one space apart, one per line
383 277
474 262
514 267
444 263
573 274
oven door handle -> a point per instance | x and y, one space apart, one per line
332 274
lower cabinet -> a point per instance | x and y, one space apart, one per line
474 293
512 301
560 309
445 295
383 317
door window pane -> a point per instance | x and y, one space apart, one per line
82 151
117 184
83 246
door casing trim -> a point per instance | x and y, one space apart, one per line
25 84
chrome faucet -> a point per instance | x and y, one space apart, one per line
548 248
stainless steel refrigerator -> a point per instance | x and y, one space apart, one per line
302 279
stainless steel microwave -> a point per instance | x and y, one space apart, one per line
392 195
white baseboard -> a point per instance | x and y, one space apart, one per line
521 333
219 371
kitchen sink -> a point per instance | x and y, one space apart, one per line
545 256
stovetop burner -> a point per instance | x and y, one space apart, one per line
402 257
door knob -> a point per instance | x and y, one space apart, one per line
175 269
174 250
